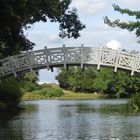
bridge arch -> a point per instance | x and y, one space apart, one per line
69 56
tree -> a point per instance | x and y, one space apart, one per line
18 15
131 25
105 81
102 80
77 79
9 93
63 78
28 81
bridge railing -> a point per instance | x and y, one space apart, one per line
64 56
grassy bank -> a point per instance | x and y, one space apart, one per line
70 95
57 93
48 92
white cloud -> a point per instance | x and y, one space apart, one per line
101 34
54 38
88 7
114 44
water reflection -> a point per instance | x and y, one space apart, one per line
12 125
5 119
71 120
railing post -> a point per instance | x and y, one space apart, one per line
134 65
47 54
29 57
82 55
116 62
99 61
13 67
64 55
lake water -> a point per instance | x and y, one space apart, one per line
71 120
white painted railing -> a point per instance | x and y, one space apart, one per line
68 56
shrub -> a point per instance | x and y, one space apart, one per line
134 102
43 93
32 96
50 92
9 93
56 92
27 86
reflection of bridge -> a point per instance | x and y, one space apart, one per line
69 56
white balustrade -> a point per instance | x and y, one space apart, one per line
69 56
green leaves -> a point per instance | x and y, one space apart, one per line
70 25
77 79
9 93
127 11
105 81
131 25
17 16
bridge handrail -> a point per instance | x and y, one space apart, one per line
67 56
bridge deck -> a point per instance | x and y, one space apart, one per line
69 56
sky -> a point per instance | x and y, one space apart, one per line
96 33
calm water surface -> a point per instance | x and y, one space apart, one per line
71 120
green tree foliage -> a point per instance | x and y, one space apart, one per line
30 77
27 82
77 79
9 93
11 89
131 25
18 15
45 92
105 81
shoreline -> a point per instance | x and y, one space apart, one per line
68 95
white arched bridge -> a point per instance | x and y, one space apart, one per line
69 56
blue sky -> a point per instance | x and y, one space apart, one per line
91 13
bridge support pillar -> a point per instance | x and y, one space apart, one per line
99 61
67 68
52 69
132 73
116 63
